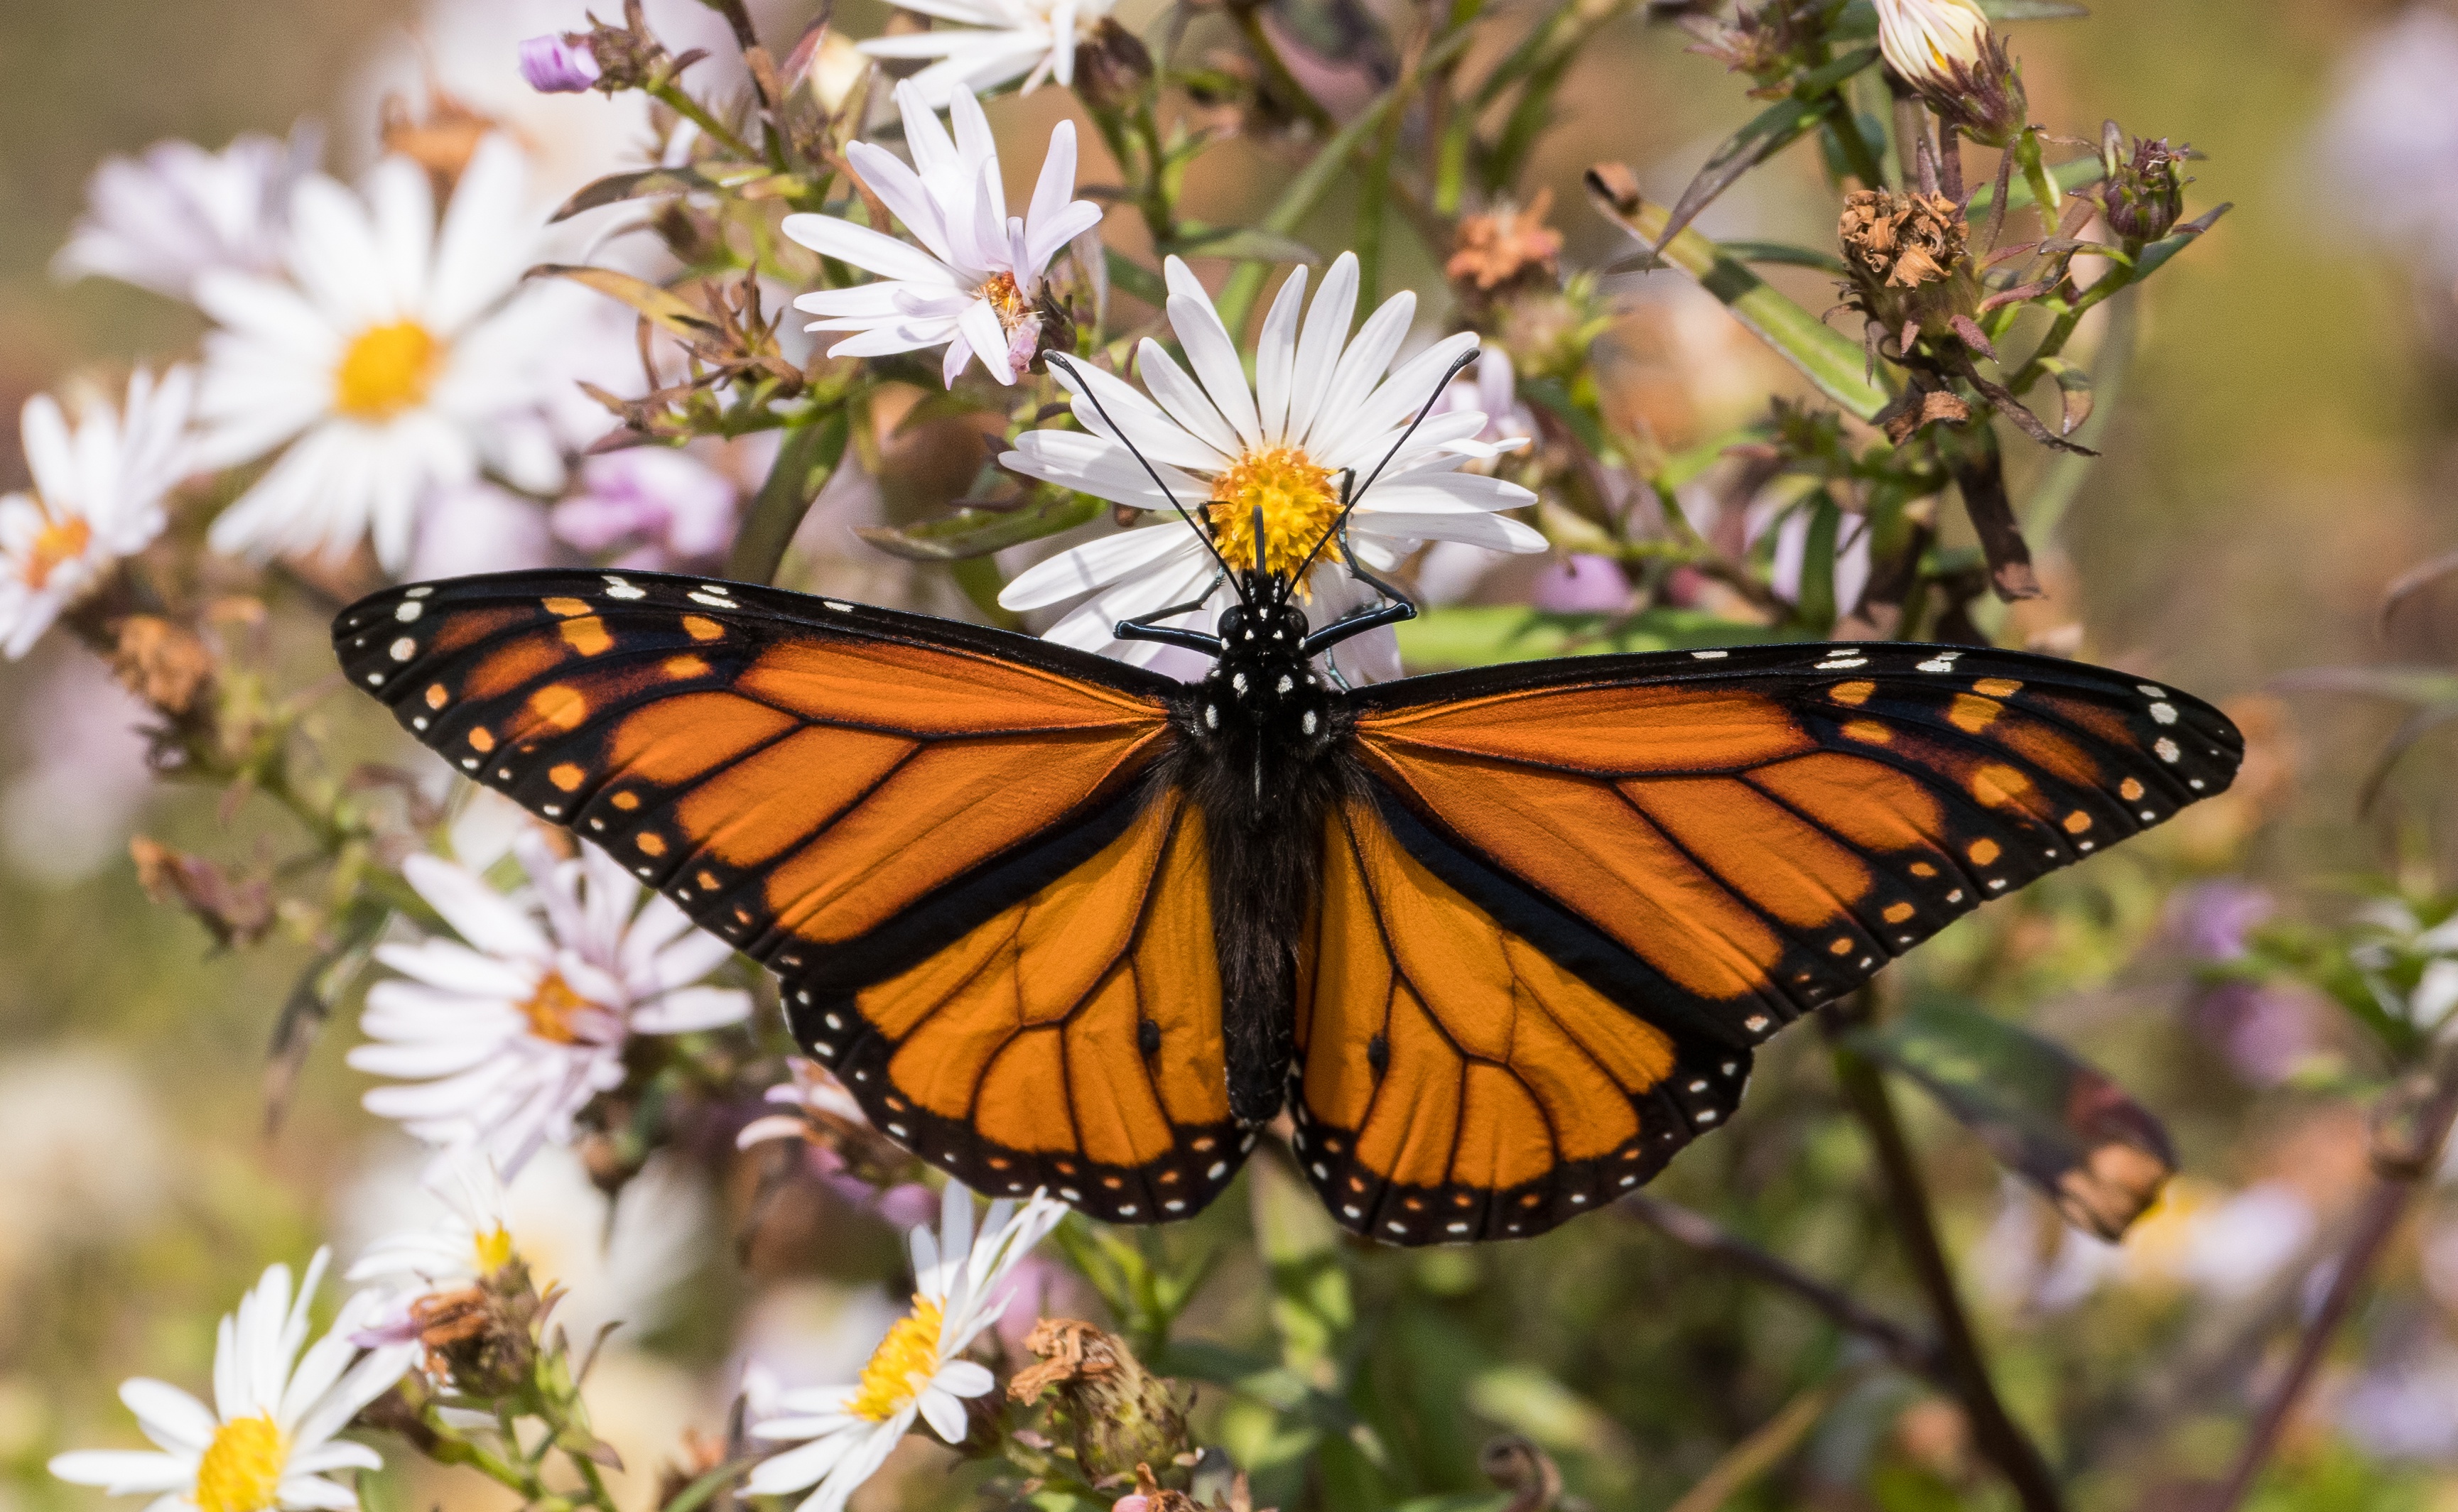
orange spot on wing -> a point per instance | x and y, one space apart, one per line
556 706
1972 716
1982 851
587 637
509 666
1922 869
567 607
2077 822
1854 693
566 777
1868 732
1998 786
1997 687
481 740
436 697
1897 913
2130 790
680 668
651 842
469 627
626 801
700 627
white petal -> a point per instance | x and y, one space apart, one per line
1214 355
1276 355
482 916
170 1414
123 1472
1097 564
1319 344
865 248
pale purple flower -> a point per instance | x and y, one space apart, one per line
2213 920
2405 1409
668 509
1582 583
557 65
2266 1029
476 527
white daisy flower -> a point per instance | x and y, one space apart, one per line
916 1370
165 219
813 1089
469 1241
397 358
97 497
502 1039
1003 40
976 283
1319 406
267 1441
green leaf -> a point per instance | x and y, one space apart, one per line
1482 634
1787 255
2047 1115
752 181
1243 242
1816 607
2069 175
1836 365
972 531
1776 128
2151 259
669 311
1128 276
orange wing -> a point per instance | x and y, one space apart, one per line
1454 1081
949 842
1706 844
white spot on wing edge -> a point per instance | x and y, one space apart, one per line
2167 750
409 610
2164 712
1709 655
618 588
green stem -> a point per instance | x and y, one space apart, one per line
1858 155
1373 207
2062 329
805 460
675 98
1993 1429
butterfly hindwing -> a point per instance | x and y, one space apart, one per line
1454 1082
1761 830
919 825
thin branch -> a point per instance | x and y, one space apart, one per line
1994 1430
1699 1233
1766 1447
2379 1218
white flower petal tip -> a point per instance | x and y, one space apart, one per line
1321 404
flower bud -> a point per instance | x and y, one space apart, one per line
2145 193
1946 50
559 65
1112 68
1908 255
1123 1417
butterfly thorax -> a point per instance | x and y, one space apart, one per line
1262 763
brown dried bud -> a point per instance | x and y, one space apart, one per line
442 141
482 1338
1122 1417
1905 242
629 56
1506 249
1114 68
162 662
234 912
2144 192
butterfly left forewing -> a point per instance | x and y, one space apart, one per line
951 844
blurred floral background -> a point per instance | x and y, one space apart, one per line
2279 436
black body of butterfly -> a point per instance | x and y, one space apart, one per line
1503 940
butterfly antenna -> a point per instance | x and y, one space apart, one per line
1350 496
1067 365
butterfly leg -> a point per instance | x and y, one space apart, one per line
1397 606
1145 628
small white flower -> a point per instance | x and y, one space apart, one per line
97 497
814 1090
165 219
1003 39
395 359
268 1439
1319 405
916 1370
975 283
501 1041
469 1241
1925 39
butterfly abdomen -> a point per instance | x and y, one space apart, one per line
1262 738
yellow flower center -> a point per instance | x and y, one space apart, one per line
241 1470
1006 300
1298 501
494 1250
57 544
551 1011
386 371
902 1365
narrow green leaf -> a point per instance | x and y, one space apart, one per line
755 182
1773 129
1132 277
2047 1115
669 311
1479 635
1816 608
2154 256
1787 255
973 531
1836 365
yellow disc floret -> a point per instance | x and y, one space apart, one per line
58 543
242 1468
1298 499
903 1363
387 370
551 1008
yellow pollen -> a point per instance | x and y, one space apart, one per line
1299 505
902 1365
386 371
494 1250
241 1470
1005 298
57 544
551 1007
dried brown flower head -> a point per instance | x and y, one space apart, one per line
1121 1416
1507 248
162 662
442 140
235 911
1902 242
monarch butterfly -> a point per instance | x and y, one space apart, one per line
1503 940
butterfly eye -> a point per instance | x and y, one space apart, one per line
1233 619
